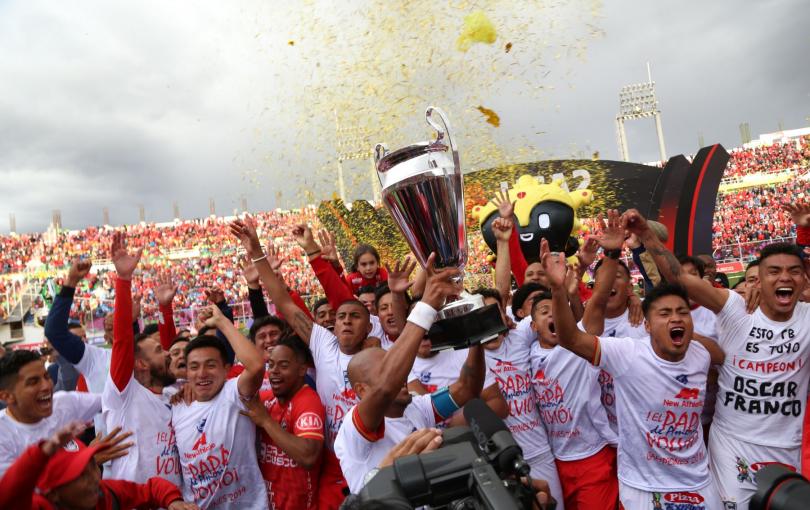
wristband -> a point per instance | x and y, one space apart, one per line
263 257
443 402
423 315
313 253
613 254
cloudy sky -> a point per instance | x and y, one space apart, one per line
118 104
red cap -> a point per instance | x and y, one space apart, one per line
66 465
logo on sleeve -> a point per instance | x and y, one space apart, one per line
682 379
309 422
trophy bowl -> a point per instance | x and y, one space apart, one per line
423 190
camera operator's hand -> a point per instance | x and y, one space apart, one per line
542 498
421 441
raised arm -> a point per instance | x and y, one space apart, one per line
398 284
333 285
699 290
301 323
569 336
502 228
123 349
69 346
396 364
800 214
165 292
250 380
610 239
255 294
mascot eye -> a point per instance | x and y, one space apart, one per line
544 220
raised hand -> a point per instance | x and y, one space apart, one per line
556 269
166 289
245 231
635 309
506 208
303 236
124 261
137 298
212 316
587 252
61 437
612 234
328 245
799 213
273 257
635 223
111 446
398 277
78 270
420 441
250 272
441 284
502 229
572 279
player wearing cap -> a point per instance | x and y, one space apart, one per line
290 419
34 411
763 382
61 472
387 413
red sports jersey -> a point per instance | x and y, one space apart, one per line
289 486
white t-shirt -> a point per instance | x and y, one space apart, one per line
511 364
569 402
658 404
149 417
705 322
763 380
443 369
95 367
331 380
68 406
616 327
217 447
360 451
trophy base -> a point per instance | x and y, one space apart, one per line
461 331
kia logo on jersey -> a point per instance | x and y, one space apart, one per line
309 421
691 498
688 393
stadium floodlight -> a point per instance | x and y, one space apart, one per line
353 144
637 101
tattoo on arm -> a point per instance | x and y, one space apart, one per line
672 262
302 325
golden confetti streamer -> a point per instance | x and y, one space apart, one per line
508 47
492 117
477 29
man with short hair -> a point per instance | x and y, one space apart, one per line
134 397
215 442
763 382
366 296
265 333
34 411
290 419
323 314
177 356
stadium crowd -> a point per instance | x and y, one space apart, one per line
611 399
769 158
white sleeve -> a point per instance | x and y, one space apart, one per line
77 406
319 339
352 450
230 391
617 354
731 319
523 334
376 327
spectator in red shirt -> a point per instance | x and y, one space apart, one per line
290 419
366 269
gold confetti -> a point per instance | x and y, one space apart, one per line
291 42
492 117
508 47
477 29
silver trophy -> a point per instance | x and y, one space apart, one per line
423 190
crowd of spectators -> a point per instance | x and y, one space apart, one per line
769 158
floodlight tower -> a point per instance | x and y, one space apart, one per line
352 144
638 101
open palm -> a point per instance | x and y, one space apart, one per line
124 261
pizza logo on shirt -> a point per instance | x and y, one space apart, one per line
309 422
682 379
756 466
688 393
677 501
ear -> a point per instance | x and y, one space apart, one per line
7 397
534 326
647 326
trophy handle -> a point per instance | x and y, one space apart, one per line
442 127
380 150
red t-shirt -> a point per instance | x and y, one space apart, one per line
289 486
356 281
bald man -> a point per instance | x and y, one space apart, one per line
387 413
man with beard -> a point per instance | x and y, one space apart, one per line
330 351
290 419
134 397
34 411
